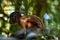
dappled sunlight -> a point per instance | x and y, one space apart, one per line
7 26
9 9
1 15
6 2
3 33
5 18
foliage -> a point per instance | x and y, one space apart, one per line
32 7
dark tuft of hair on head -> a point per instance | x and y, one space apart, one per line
14 17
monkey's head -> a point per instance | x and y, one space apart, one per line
14 17
32 21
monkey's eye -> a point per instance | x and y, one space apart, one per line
28 21
23 18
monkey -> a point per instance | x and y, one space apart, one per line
33 25
33 20
28 24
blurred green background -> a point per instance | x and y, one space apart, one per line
47 10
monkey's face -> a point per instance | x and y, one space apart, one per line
25 21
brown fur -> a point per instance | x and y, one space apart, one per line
36 21
16 16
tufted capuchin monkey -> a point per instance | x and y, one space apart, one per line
28 24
